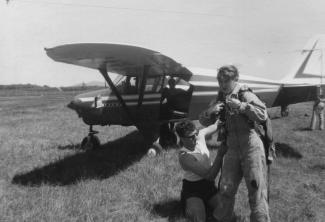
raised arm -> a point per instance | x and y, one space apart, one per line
209 115
190 163
210 129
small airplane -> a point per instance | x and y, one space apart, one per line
135 96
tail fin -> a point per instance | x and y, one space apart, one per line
305 82
311 66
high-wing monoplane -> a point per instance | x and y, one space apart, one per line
136 98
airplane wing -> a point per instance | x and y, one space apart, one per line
117 58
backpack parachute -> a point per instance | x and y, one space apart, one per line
264 130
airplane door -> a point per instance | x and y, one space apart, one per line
142 99
200 101
178 99
149 109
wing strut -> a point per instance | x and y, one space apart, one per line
143 83
103 71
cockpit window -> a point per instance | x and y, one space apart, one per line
128 85
131 84
153 84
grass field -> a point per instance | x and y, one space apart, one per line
44 176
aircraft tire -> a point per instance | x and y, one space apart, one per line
157 147
90 142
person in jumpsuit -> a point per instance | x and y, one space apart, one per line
245 156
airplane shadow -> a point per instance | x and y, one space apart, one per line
286 151
172 210
105 162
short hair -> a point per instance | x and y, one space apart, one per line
228 72
185 128
172 81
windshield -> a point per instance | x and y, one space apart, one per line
118 79
127 84
131 84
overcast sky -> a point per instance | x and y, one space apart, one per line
260 36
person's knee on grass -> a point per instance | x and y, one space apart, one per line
198 186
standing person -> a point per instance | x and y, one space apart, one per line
284 110
245 156
177 98
318 112
176 106
170 92
166 129
198 189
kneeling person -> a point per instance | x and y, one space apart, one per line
198 189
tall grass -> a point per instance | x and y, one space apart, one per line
45 176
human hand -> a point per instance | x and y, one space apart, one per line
218 107
233 103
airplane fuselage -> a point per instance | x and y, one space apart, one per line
102 107
138 99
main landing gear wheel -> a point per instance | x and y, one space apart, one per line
90 142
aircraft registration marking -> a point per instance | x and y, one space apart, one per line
117 104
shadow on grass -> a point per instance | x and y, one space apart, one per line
317 167
171 209
70 147
105 162
303 129
286 151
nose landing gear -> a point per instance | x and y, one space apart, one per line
90 142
